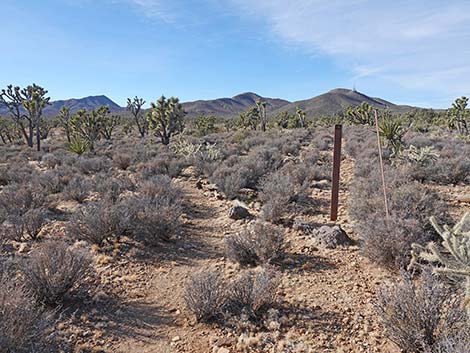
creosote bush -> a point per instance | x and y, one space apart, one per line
54 270
259 243
421 316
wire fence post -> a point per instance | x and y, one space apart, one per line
336 172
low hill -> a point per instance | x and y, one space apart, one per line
229 107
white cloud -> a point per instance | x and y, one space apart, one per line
417 44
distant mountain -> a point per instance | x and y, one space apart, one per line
229 107
338 100
325 104
91 102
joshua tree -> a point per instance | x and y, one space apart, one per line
8 131
12 99
453 259
86 126
261 108
25 107
205 124
361 115
458 115
64 120
34 102
135 107
166 118
300 117
107 122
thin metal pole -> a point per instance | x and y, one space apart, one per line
336 172
381 165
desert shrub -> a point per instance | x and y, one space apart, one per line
110 188
458 343
23 324
92 165
161 187
33 221
156 219
387 241
78 189
102 221
122 160
54 270
209 296
165 163
252 292
451 167
282 188
18 172
420 316
50 161
237 173
23 211
204 294
259 243
51 181
230 180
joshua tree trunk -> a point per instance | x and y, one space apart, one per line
38 137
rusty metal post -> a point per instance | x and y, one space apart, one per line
336 172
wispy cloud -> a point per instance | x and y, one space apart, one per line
415 44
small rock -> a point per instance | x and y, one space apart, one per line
464 198
23 248
238 211
176 339
223 350
329 237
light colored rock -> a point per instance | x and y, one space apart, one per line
223 350
238 211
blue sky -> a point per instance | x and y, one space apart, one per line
410 52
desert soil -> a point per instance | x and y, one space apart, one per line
325 299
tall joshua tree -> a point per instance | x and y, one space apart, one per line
135 107
34 102
64 120
12 99
261 107
166 118
25 107
300 115
459 115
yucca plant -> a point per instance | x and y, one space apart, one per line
391 131
78 145
453 258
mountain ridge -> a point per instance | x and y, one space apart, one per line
329 103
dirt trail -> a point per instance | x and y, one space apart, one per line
329 292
